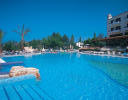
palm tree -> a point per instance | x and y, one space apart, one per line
22 31
1 36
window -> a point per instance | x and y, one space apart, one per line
112 21
126 33
118 20
112 29
127 16
127 25
118 28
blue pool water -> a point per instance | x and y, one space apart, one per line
76 77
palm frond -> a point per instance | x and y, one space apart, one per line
16 31
26 31
18 26
22 31
1 35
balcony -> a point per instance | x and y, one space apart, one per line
114 24
115 32
126 29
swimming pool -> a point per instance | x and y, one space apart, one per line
79 77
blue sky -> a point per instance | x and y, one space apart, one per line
78 17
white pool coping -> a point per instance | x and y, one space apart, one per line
2 61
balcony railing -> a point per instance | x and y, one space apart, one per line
116 23
115 32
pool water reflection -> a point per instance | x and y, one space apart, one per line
79 77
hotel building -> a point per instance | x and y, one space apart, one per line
117 25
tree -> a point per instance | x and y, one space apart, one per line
36 44
11 46
44 42
94 36
89 41
1 36
80 39
95 40
65 41
100 36
22 31
54 41
72 40
72 44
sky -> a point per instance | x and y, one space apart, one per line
43 17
